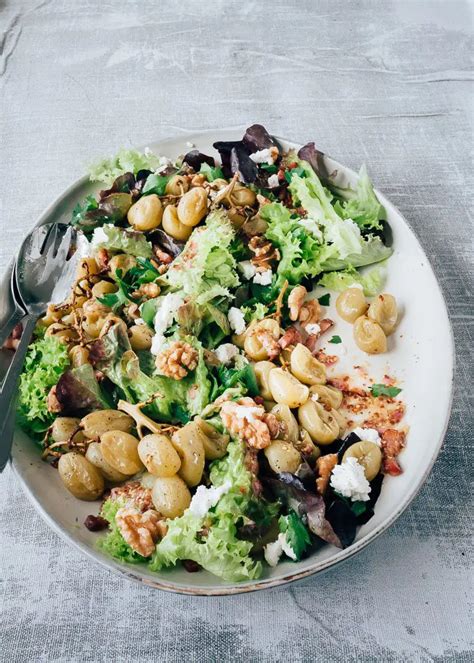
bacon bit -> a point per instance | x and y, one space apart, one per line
325 324
393 442
390 466
311 343
292 336
327 360
259 400
325 465
163 257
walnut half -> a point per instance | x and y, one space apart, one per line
177 360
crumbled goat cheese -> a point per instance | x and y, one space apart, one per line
246 268
139 321
189 144
226 352
100 236
205 498
313 328
265 156
273 551
263 278
163 319
273 181
348 479
368 434
236 320
163 164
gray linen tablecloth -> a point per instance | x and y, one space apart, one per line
388 83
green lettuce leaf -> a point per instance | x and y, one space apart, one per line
125 161
205 321
301 253
372 281
46 360
119 240
175 400
345 244
361 205
206 268
219 550
227 378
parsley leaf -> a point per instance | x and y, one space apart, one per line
155 184
211 173
384 390
121 297
358 508
324 300
269 167
296 533
299 170
335 339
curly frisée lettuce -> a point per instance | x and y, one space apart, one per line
124 161
45 362
206 268
342 236
218 549
301 252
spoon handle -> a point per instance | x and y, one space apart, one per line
9 390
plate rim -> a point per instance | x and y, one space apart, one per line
127 571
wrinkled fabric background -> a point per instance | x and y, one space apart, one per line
388 83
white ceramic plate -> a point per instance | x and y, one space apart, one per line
420 356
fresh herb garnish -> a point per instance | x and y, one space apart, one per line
269 167
384 390
299 170
211 173
325 299
335 339
296 533
155 184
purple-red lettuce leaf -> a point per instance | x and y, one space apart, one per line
311 507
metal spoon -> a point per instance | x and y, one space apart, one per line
43 274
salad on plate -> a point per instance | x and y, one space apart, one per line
189 382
